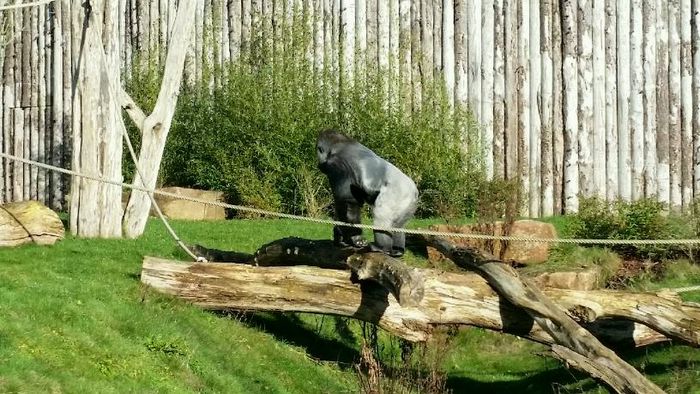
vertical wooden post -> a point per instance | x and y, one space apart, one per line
695 38
437 41
674 74
623 102
427 38
558 111
569 30
650 81
461 46
511 92
347 42
535 172
415 54
57 106
637 98
686 106
474 56
44 92
487 87
394 37
585 98
523 88
611 165
598 126
405 48
8 103
547 75
448 48
663 173
235 24
499 90
360 38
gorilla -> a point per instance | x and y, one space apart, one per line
358 176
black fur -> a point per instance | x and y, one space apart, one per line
358 176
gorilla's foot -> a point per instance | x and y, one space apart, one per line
396 252
358 241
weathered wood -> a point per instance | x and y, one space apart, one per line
546 107
448 48
636 114
405 66
157 124
549 316
585 98
695 38
611 164
57 107
662 104
461 48
414 48
535 92
486 112
686 64
598 130
570 103
29 221
499 91
347 42
511 158
649 105
405 283
674 116
448 298
523 89
623 103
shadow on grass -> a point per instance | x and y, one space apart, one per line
549 381
289 328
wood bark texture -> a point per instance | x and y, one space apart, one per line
27 222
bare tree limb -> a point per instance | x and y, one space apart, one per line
550 317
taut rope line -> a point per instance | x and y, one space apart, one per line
580 241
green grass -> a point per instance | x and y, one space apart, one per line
75 318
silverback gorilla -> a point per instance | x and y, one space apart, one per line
357 176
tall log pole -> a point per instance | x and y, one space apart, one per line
157 125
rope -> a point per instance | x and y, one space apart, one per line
155 204
580 241
686 289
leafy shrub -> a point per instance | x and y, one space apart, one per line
642 219
253 137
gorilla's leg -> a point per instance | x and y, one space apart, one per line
346 235
383 216
393 208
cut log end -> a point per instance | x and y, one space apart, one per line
29 221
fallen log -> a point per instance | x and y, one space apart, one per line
29 221
589 353
404 282
448 299
518 307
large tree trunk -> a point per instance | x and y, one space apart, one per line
156 126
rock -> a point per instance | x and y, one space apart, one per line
589 279
29 221
175 208
523 252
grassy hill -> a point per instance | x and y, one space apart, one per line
75 318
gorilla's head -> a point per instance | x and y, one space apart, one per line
327 145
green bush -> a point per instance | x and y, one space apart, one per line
642 219
253 137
